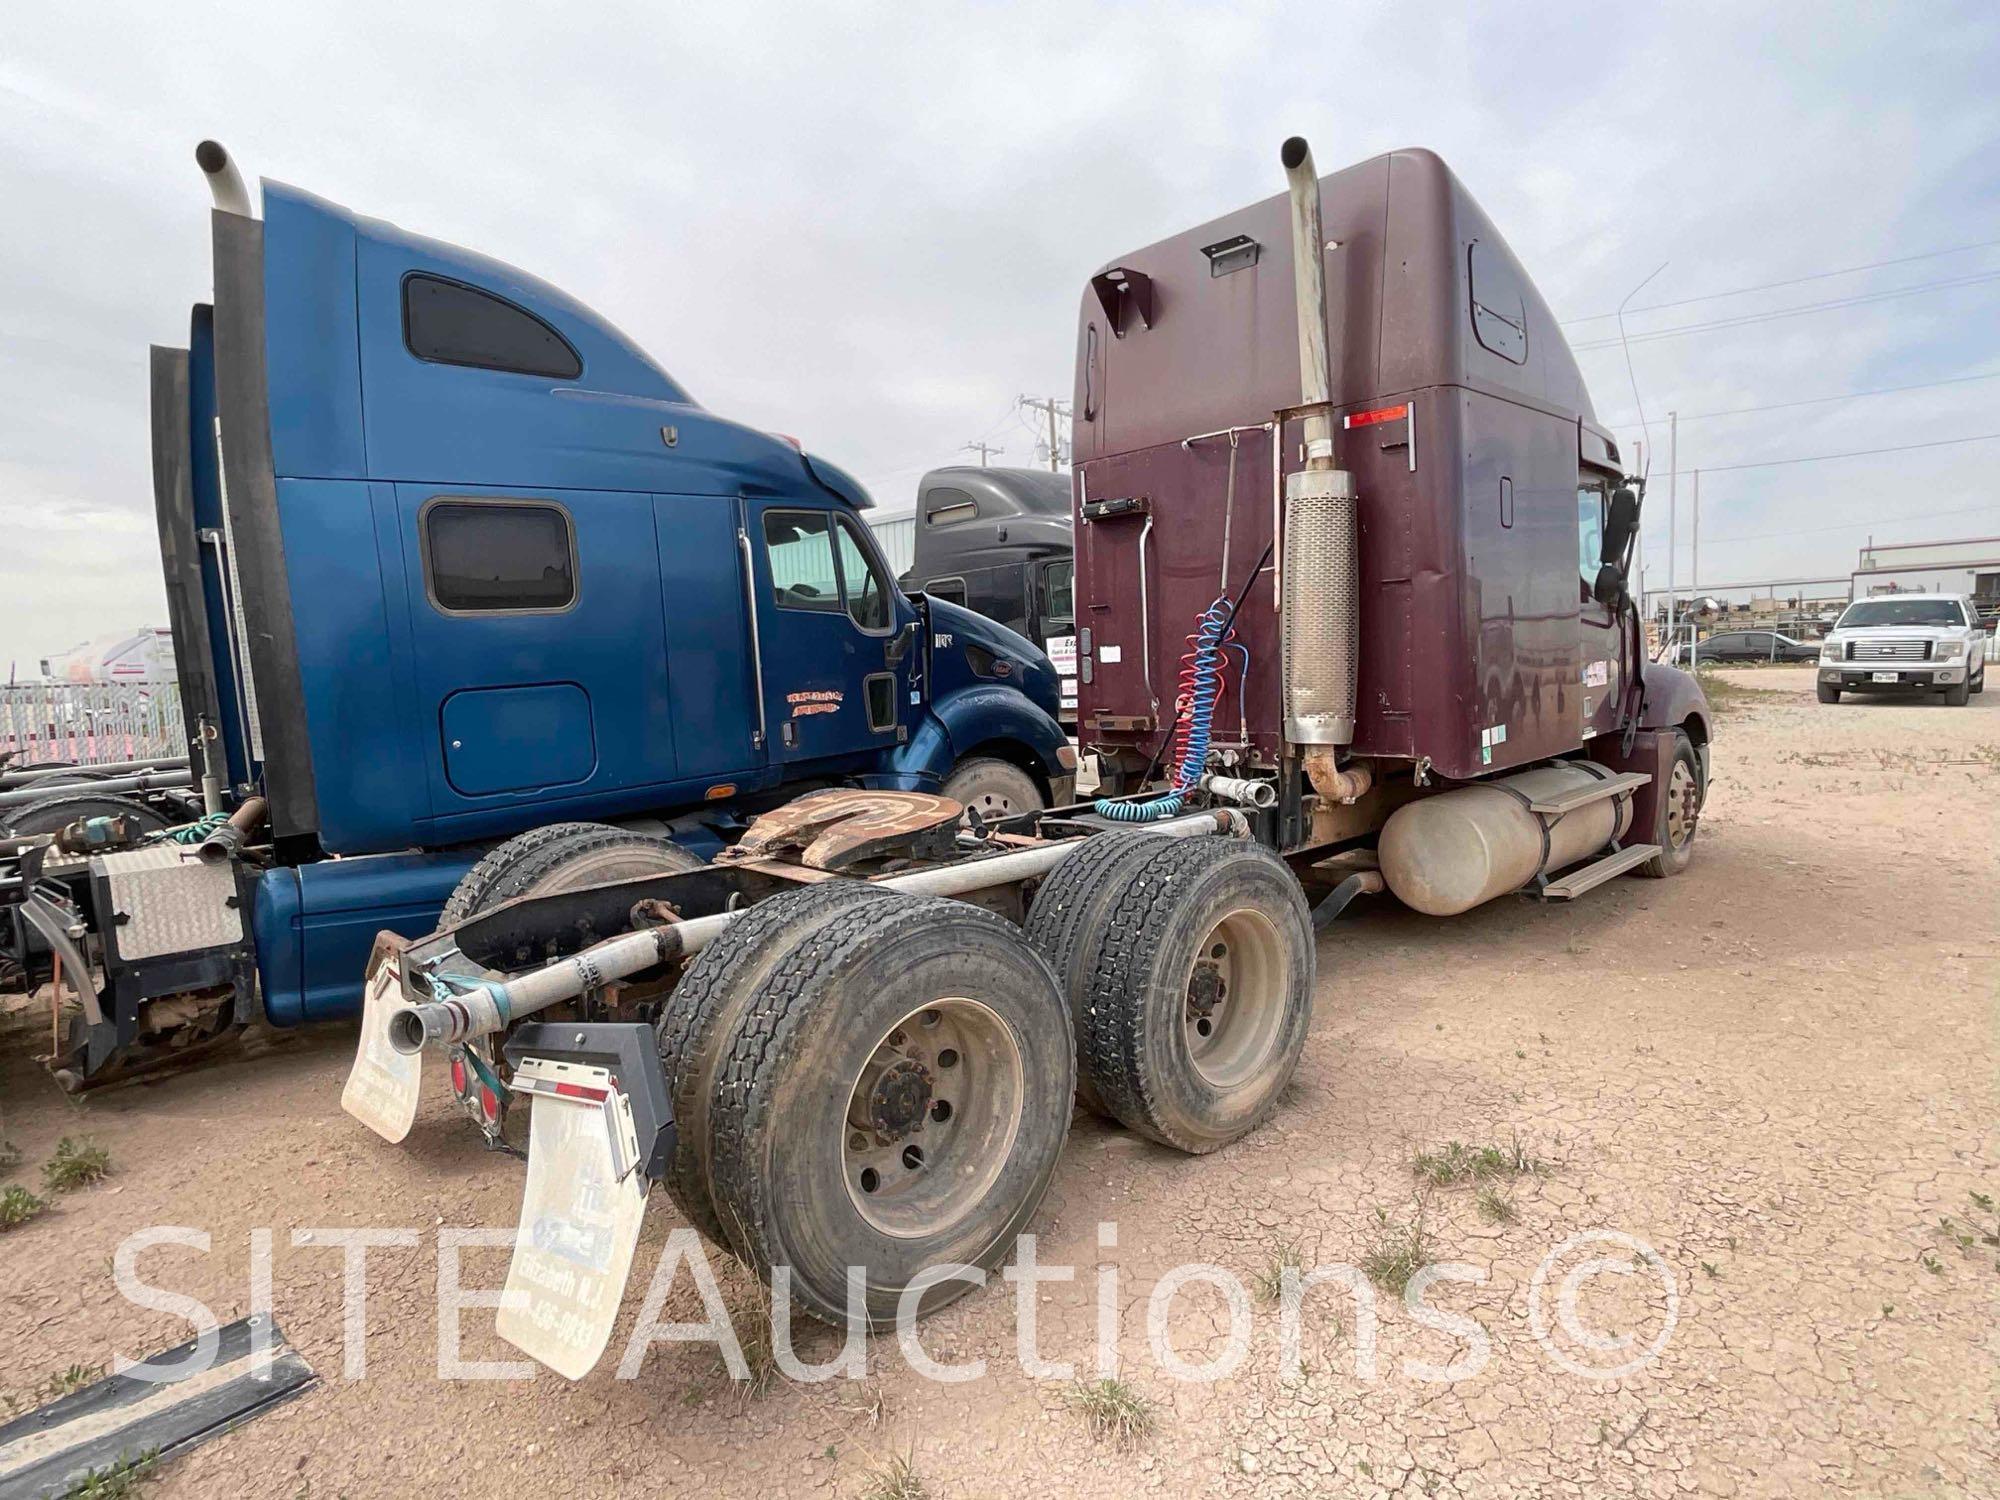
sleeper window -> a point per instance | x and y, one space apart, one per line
485 557
1499 309
448 323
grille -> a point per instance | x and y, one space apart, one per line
1889 650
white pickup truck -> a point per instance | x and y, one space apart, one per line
1905 643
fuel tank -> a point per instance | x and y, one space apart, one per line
1449 853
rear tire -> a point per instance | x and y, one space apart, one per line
993 788
542 862
1200 992
1828 694
55 812
561 857
893 1008
1679 813
1066 923
703 1012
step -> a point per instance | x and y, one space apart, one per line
1597 791
1589 877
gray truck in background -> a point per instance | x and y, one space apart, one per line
998 541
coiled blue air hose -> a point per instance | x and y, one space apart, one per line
195 832
1200 686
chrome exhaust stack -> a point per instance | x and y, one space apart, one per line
1321 603
225 183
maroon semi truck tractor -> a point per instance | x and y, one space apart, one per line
1344 419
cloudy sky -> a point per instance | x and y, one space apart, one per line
869 225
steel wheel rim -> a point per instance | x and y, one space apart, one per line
932 1116
1237 986
1682 811
990 806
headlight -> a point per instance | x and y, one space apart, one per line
1947 650
1830 651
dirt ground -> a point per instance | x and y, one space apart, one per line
1778 1071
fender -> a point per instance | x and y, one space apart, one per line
1673 698
979 714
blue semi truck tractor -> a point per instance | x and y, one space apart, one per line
471 599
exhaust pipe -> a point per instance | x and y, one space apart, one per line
1321 604
225 183
1239 789
227 841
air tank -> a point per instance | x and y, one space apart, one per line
1451 852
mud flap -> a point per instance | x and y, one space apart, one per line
383 1084
580 1215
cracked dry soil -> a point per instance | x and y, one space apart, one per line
1778 1071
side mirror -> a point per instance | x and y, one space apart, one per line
1610 585
1620 526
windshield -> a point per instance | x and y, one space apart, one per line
1901 612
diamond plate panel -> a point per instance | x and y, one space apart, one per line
170 902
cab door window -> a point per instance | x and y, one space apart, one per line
864 587
799 544
1059 591
1589 532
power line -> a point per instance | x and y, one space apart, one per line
1886 390
1929 515
984 450
1767 286
1820 458
1747 319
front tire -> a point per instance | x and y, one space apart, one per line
1828 694
1679 813
993 788
1955 696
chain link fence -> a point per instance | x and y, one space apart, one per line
90 722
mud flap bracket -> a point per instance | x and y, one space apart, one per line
630 1053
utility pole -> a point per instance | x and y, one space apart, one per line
1673 533
1694 563
1052 409
983 449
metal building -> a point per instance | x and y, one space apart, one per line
897 537
1969 565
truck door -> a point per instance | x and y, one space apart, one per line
1601 640
1055 625
538 649
835 640
705 592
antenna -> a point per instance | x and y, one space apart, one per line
1630 373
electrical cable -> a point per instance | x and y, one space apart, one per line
1770 286
1862 299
